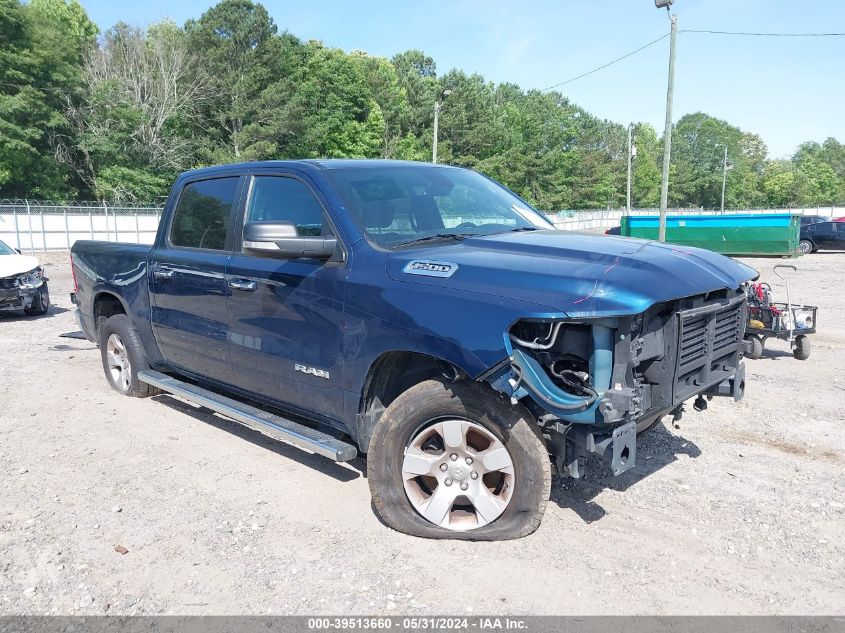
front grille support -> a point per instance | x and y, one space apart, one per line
709 345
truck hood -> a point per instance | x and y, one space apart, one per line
580 274
16 264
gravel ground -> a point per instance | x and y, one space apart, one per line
740 510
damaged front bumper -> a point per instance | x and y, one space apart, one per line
640 369
15 297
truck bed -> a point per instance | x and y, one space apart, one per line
118 268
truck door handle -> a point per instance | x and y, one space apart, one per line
163 273
242 284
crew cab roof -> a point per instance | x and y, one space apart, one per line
310 164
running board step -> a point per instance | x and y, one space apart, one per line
274 426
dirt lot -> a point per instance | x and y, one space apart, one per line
741 510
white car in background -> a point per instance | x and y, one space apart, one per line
23 285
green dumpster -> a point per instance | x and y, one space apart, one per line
734 234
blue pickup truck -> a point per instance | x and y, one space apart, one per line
423 315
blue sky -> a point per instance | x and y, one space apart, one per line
788 90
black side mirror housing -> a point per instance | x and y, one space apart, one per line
281 240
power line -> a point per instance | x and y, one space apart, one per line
707 32
748 34
610 63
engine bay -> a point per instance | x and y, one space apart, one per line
593 384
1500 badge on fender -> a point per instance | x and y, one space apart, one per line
431 269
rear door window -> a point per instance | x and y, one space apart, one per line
203 213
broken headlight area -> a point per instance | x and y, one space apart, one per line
18 291
31 280
563 351
562 371
564 366
593 383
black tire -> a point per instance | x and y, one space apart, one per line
41 302
649 427
801 351
120 326
512 425
805 247
756 350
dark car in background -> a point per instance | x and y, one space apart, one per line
822 236
806 220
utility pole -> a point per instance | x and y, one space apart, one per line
724 176
630 158
437 105
667 131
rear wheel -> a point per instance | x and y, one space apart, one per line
458 461
805 247
756 350
123 357
801 351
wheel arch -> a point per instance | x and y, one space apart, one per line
105 305
392 373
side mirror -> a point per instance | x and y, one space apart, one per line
281 240
18 251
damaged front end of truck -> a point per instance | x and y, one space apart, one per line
594 383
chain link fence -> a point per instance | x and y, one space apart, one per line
31 225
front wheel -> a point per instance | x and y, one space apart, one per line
801 351
756 350
457 460
805 247
40 303
123 357
646 427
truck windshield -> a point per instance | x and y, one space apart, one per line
398 205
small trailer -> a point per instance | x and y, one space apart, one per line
770 319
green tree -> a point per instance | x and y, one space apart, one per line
470 119
820 173
235 39
816 183
646 177
132 127
698 145
41 50
779 186
272 127
331 112
531 151
383 87
416 75
124 114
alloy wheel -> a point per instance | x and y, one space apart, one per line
457 474
118 361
